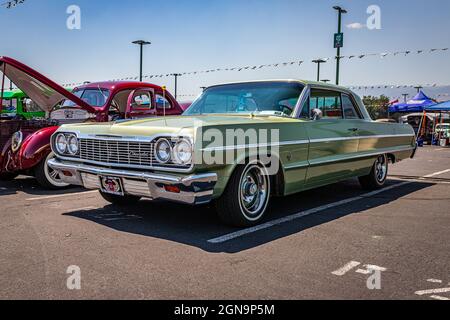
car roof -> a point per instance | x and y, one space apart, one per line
304 82
12 94
119 85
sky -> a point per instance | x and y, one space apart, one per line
208 34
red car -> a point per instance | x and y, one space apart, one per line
25 145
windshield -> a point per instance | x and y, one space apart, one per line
9 106
94 97
248 98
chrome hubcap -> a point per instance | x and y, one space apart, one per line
254 191
381 168
52 175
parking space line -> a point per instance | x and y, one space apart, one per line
439 298
302 214
437 174
62 195
433 291
349 266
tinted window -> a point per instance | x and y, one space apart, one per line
142 101
350 111
162 102
329 102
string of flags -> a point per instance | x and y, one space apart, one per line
278 65
11 4
372 87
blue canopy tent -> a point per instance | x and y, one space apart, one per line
441 107
417 104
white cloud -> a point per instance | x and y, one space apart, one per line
356 25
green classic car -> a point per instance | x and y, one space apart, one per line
237 145
16 103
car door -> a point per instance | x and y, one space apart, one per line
333 140
141 104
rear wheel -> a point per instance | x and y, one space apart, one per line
120 200
244 201
377 177
47 177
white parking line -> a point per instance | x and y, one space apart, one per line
440 298
62 195
349 266
302 214
437 173
433 291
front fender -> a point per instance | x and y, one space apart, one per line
35 148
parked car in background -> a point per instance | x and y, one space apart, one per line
323 135
25 144
443 130
17 104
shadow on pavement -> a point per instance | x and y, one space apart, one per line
30 186
194 226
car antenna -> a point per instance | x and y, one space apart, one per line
164 88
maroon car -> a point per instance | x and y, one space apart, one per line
25 144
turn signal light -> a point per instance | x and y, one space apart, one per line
172 189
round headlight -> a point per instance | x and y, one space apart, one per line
163 150
61 143
16 141
73 145
183 152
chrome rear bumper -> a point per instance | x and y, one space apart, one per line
194 189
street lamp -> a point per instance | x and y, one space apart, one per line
325 80
176 75
418 88
141 43
339 37
319 61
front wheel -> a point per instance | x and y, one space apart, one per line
378 176
47 177
120 200
244 201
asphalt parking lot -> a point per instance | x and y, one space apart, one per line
315 245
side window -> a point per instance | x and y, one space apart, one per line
350 110
162 102
10 105
329 102
142 101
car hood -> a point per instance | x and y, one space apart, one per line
180 125
46 93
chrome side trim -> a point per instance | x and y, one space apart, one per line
256 146
346 158
362 138
360 156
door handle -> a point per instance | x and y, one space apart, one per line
353 129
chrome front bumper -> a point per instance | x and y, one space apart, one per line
194 189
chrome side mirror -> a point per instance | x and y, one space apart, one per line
316 114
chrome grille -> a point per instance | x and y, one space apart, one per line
115 152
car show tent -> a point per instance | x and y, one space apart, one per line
417 104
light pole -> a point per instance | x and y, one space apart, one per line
418 88
176 75
405 97
319 61
141 43
339 40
